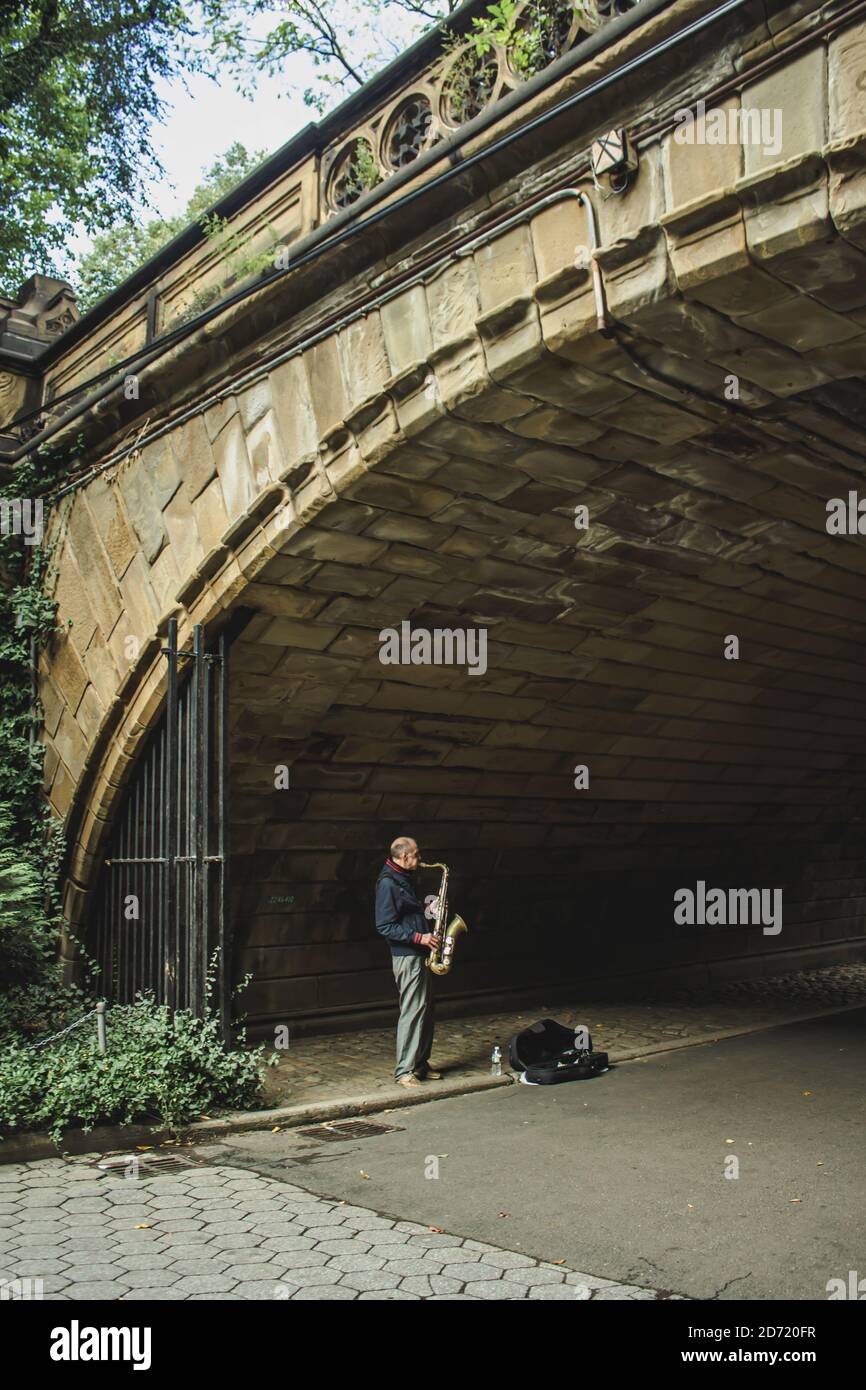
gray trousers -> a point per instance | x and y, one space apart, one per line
415 1024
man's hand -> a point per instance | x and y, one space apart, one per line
430 940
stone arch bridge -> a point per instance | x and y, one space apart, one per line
560 303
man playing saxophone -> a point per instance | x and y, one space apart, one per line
400 919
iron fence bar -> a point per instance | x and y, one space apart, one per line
169 821
159 873
132 911
196 925
203 867
223 934
184 957
169 848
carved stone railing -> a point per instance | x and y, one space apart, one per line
457 88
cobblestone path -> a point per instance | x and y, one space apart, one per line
222 1232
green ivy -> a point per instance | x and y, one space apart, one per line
525 31
159 1067
238 261
31 840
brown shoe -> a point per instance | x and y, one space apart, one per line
427 1074
408 1081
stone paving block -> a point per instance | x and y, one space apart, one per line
570 1292
394 1295
183 1239
212 1216
431 1239
229 1228
42 1255
496 1290
124 1217
99 1289
302 1260
241 1241
328 1232
208 1298
74 1257
335 1292
422 1267
213 1264
167 1295
152 1261
528 1277
623 1291
250 1258
152 1278
281 1244
22 1269
204 1283
312 1277
416 1284
591 1281
347 1245
507 1259
37 1240
272 1229
56 1283
370 1279
455 1255
368 1222
471 1274
347 1263
262 1290
383 1239
182 1225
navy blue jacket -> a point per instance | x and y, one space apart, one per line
399 912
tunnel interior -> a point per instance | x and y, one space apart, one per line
672 693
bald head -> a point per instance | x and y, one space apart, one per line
405 852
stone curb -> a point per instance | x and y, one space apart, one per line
27 1148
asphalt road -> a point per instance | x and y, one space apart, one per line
623 1176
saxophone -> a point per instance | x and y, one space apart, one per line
440 958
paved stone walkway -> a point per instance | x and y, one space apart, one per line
322 1069
221 1232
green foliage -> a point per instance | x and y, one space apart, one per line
343 42
116 253
31 844
238 260
364 169
163 1068
32 1011
29 911
79 93
527 32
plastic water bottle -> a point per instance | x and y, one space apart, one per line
496 1061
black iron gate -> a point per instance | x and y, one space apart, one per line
161 917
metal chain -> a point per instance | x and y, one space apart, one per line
31 1047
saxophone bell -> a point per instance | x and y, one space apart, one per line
441 957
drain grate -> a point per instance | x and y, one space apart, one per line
349 1129
143 1165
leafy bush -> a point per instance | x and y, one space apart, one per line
27 1011
160 1068
29 910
